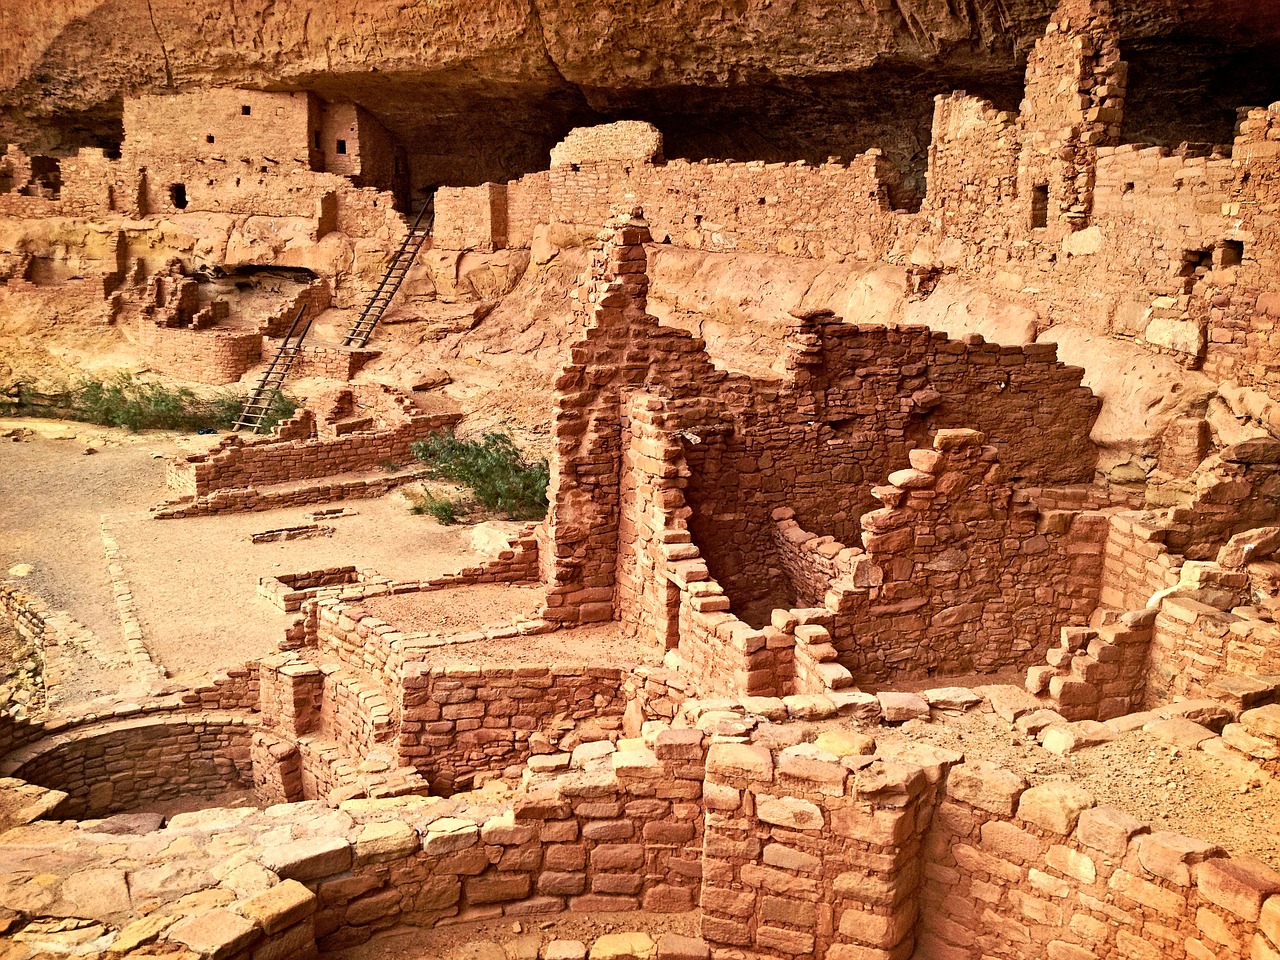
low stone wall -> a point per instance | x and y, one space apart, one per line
238 465
200 356
831 849
245 499
460 721
117 766
1015 871
288 590
1195 647
803 857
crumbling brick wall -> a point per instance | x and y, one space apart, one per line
468 719
1073 103
959 575
1015 871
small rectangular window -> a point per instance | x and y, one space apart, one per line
342 146
245 110
178 195
1232 253
209 138
1039 206
315 139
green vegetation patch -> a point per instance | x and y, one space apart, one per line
123 401
500 477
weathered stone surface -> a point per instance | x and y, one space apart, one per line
1054 806
308 859
624 946
986 786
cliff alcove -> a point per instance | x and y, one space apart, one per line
874 413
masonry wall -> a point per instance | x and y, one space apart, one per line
130 763
471 218
205 356
795 209
165 131
238 465
803 858
859 397
463 720
528 205
1194 646
973 169
1014 872
961 576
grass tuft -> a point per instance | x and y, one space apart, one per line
444 510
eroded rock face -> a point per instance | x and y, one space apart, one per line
482 91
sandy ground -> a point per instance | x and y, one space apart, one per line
193 580
457 610
479 941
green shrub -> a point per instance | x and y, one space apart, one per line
122 401
444 510
502 480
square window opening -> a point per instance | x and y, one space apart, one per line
246 110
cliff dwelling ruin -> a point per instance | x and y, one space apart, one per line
906 578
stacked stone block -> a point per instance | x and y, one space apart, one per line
1097 673
808 855
470 218
958 570
622 349
1013 871
463 721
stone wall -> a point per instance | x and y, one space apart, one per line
1196 648
460 721
236 464
206 356
792 208
1014 871
470 218
960 575
833 849
528 206
624 140
804 857
115 767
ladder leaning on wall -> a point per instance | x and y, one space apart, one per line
264 394
362 329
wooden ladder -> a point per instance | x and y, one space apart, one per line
268 388
363 328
